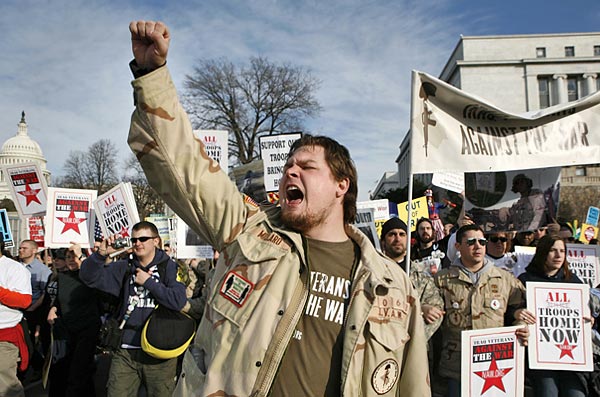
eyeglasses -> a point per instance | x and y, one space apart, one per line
471 241
495 239
142 239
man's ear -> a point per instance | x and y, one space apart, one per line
342 187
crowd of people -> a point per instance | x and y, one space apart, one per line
299 302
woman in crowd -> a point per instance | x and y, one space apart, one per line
549 264
75 318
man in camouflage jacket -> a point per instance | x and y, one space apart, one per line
262 280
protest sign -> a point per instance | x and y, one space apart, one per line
453 181
365 221
273 152
419 210
28 188
216 146
116 210
189 244
35 230
592 216
560 339
524 256
512 200
162 224
588 232
383 210
492 361
452 131
583 262
69 214
5 229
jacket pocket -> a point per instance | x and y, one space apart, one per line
253 261
391 335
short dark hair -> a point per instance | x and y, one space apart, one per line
341 165
464 229
536 266
146 225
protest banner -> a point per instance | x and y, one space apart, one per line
453 181
273 152
216 146
5 229
419 210
28 188
116 210
383 210
512 200
68 217
583 262
189 244
365 221
560 338
453 131
492 361
35 230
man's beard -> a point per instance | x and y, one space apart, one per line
302 222
426 240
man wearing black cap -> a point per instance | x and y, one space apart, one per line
393 243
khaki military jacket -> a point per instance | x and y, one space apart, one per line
260 284
469 307
428 294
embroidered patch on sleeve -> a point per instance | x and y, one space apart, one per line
236 288
385 376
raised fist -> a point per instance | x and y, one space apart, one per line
149 43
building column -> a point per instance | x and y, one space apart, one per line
590 82
561 87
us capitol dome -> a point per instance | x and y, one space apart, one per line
21 149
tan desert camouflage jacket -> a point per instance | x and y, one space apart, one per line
261 280
497 294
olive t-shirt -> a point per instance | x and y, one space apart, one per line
312 362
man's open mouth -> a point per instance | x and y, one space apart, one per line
294 195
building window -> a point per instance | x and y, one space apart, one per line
597 50
580 171
572 88
544 91
569 51
540 52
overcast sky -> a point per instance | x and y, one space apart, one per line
65 62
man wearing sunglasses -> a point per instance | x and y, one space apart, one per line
142 287
498 251
477 295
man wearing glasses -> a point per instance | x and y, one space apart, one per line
477 295
143 288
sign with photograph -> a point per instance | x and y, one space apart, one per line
69 216
560 339
383 210
492 363
365 221
28 188
189 244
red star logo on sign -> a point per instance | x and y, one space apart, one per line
565 349
493 376
71 222
123 232
30 195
